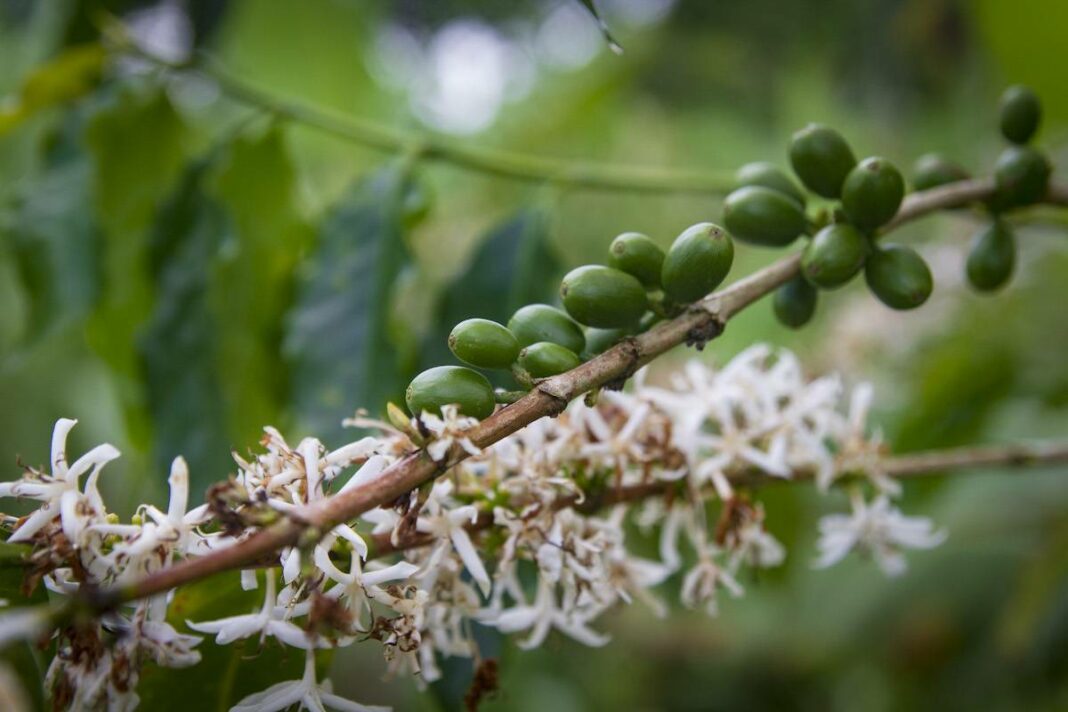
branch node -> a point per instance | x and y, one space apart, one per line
706 330
630 348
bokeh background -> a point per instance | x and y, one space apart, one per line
179 267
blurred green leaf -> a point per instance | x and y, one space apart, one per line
55 246
226 673
338 339
252 279
138 145
179 347
71 74
23 657
515 265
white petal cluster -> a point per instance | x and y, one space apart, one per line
528 536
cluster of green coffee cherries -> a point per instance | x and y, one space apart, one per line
641 284
769 209
602 304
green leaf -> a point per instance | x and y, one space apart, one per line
514 266
252 280
138 145
55 244
178 346
338 337
71 74
23 658
226 673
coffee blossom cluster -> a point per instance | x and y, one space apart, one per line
529 536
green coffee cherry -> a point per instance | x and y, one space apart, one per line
483 343
822 159
1021 113
795 303
650 320
604 297
600 340
992 257
545 359
932 170
444 385
697 262
872 193
769 176
898 276
763 216
541 322
1021 175
637 255
834 256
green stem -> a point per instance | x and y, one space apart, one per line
506 164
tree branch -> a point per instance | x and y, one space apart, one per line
920 464
703 321
380 137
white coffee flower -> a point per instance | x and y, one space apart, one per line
449 429
306 692
877 528
60 492
270 620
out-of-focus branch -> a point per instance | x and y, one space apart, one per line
701 322
513 165
920 464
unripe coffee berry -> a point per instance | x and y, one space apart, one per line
541 322
637 255
898 276
545 359
822 159
469 390
932 170
768 175
992 257
600 340
1021 175
1020 114
604 297
795 303
763 216
834 256
697 262
483 343
872 193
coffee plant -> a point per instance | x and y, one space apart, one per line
504 494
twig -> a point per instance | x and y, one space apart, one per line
702 322
921 464
505 164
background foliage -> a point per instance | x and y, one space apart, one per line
178 269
